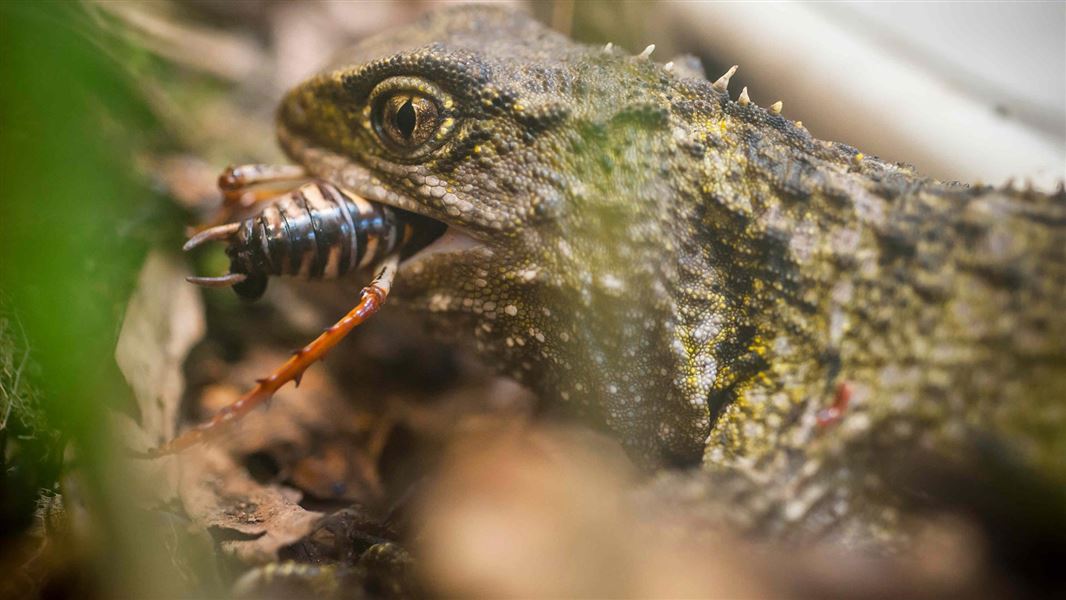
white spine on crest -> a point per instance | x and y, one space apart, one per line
723 82
647 51
743 99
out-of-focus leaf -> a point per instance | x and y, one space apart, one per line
544 512
163 320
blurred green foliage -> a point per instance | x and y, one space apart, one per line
75 224
65 188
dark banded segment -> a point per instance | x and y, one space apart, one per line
320 231
343 238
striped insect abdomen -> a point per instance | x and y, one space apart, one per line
317 231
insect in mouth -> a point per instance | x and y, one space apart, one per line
315 231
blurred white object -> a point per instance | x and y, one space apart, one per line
967 91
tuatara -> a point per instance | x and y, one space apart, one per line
694 273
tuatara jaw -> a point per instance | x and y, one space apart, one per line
453 242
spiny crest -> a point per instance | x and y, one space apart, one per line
722 85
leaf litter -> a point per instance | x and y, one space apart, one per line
303 477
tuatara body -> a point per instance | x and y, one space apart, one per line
694 273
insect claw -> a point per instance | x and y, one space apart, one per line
214 233
296 379
224 281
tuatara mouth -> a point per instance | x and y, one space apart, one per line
433 241
442 239
452 241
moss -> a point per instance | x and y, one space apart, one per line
30 449
20 404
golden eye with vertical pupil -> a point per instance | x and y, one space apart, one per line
406 120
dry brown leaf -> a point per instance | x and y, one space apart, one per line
218 494
164 318
152 483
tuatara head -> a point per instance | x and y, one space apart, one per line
486 120
557 168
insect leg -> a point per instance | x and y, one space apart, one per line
243 186
236 180
371 299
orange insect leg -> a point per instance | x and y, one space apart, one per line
372 298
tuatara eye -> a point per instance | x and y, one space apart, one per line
405 120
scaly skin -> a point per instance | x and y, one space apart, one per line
699 276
